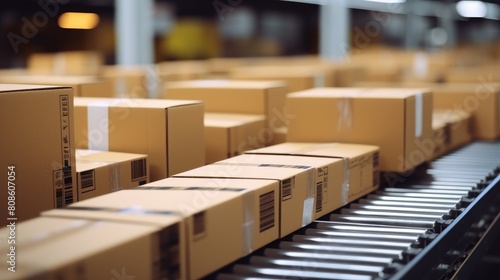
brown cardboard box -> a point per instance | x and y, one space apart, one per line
261 207
183 70
460 126
328 176
37 149
228 135
440 136
396 120
208 227
296 187
100 172
279 136
361 164
65 248
82 86
66 63
240 97
170 132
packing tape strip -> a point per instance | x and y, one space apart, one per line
120 87
345 114
59 66
345 185
319 79
248 222
419 114
97 126
115 177
308 210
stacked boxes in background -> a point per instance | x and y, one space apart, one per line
396 120
128 81
85 63
74 248
360 170
228 135
170 132
100 172
37 149
440 137
459 124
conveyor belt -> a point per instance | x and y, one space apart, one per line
424 227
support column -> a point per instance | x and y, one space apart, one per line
334 30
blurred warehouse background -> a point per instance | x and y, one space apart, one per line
190 29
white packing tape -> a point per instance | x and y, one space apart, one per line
345 185
59 67
308 210
319 79
98 126
115 177
345 114
419 114
248 222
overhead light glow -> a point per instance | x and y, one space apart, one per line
78 20
471 9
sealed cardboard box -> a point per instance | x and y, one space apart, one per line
328 176
183 70
66 248
207 225
82 86
37 149
228 135
101 172
170 132
240 97
360 164
261 206
296 187
460 126
279 136
396 120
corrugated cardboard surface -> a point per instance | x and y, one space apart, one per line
170 132
54 248
440 137
228 135
383 117
362 170
296 187
100 172
460 126
38 139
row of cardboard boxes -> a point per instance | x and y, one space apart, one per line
45 125
191 224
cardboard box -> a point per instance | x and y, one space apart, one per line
279 136
296 187
328 176
360 175
82 86
396 120
100 172
183 70
65 248
440 137
208 227
66 63
37 149
228 135
170 132
460 126
240 97
261 200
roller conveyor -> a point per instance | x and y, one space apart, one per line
427 227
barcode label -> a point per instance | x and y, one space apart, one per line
68 186
87 181
375 169
286 189
266 211
59 198
199 224
319 196
138 169
168 265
